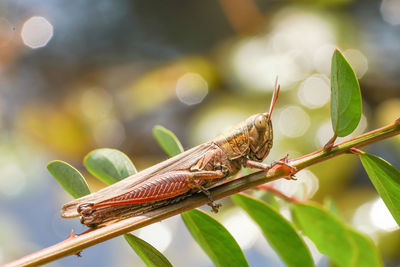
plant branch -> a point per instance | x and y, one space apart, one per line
75 244
273 190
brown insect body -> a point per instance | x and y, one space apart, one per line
192 171
251 138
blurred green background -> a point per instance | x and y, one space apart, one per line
78 75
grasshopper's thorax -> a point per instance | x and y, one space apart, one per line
252 138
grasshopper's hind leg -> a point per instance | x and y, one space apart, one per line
161 188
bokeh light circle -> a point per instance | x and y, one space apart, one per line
390 10
357 60
304 187
157 234
36 32
191 88
381 217
314 92
234 221
322 58
293 121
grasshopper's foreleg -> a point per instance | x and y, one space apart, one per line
284 161
256 165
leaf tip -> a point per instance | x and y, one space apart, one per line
51 163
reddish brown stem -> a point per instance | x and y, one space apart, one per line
345 146
355 151
328 146
272 189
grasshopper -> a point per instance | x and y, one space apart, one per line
194 170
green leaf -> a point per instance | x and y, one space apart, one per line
149 255
330 205
343 245
109 165
167 140
346 105
270 199
366 253
386 180
326 231
214 239
279 232
69 178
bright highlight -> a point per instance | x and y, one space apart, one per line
36 32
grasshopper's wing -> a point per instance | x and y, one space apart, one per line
181 161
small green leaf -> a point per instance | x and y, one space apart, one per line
214 239
109 165
386 180
149 255
346 105
69 178
167 140
279 232
343 245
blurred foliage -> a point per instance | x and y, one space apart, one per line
280 233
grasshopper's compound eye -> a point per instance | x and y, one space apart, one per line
260 122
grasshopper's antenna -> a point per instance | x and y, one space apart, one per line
274 97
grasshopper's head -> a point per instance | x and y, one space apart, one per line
260 131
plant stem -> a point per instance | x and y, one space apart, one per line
74 244
273 190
